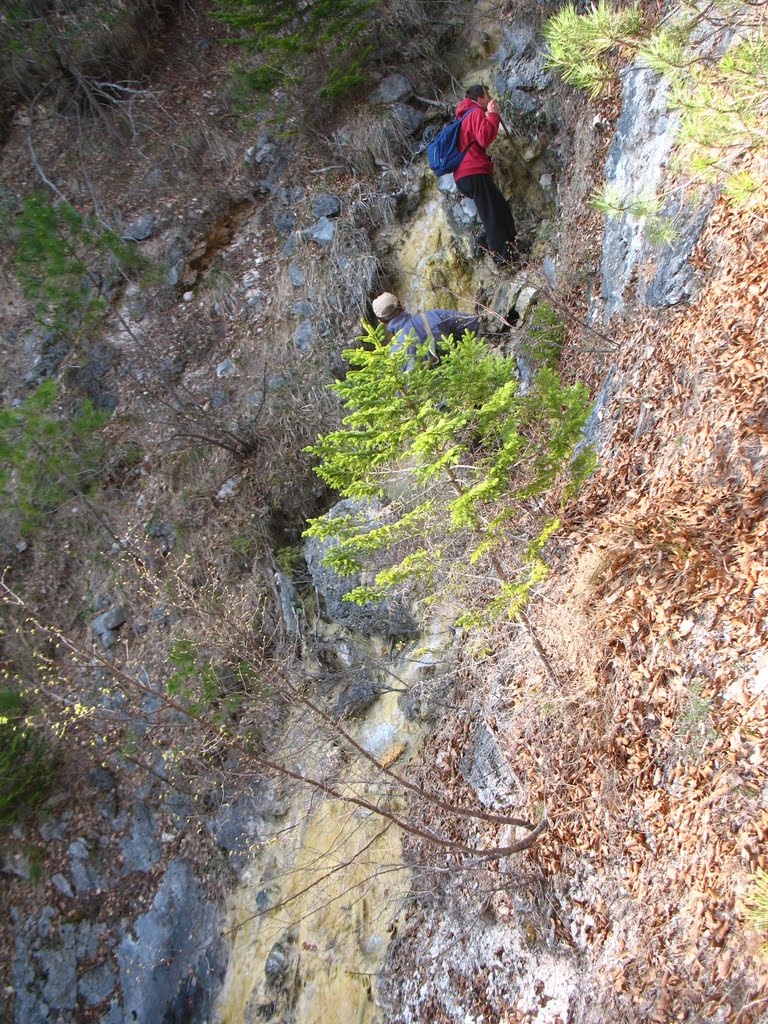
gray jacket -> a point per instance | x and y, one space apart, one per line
439 323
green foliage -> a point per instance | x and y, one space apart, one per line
719 98
300 53
287 558
740 187
756 903
576 43
475 449
24 762
546 330
609 201
722 108
46 458
53 248
205 688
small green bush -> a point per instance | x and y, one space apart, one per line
203 687
719 97
300 55
54 248
546 330
24 762
46 458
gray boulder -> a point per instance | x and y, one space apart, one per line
447 185
392 89
96 984
486 771
326 205
323 231
296 275
357 698
599 426
86 875
284 220
387 618
276 964
240 821
407 116
303 335
140 229
109 620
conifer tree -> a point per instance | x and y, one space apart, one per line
476 449
311 51
45 458
717 92
54 248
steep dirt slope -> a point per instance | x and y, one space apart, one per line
649 756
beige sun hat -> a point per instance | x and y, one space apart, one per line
386 305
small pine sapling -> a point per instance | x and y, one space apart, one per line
459 452
46 458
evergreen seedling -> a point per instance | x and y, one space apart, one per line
457 452
55 248
312 51
45 458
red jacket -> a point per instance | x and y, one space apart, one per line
480 129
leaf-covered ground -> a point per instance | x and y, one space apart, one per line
649 756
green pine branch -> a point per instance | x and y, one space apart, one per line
720 99
476 448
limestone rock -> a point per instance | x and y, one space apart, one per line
323 231
410 118
326 205
140 229
392 89
486 771
639 150
303 335
388 618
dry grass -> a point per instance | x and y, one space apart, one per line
577 238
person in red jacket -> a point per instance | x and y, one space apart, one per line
474 175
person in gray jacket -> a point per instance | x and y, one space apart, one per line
431 325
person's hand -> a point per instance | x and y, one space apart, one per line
493 107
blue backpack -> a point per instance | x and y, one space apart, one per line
443 151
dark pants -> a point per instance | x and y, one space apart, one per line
493 211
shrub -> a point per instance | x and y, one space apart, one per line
218 691
53 246
719 97
24 764
476 450
304 53
546 330
45 459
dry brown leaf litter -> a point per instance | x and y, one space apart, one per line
678 518
651 759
